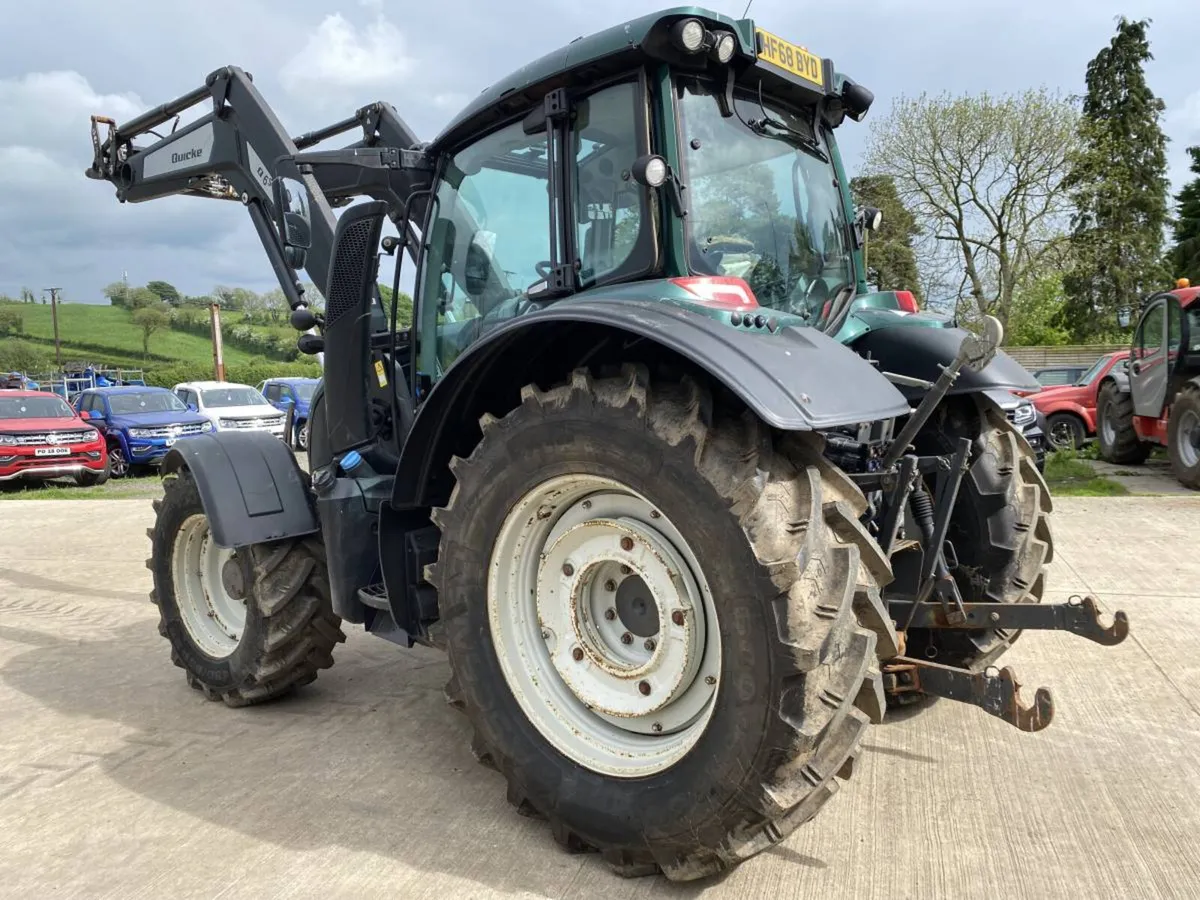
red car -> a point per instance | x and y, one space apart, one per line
1070 409
42 437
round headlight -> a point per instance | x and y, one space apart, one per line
688 35
724 48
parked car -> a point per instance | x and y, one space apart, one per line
140 424
1070 410
1025 416
1054 376
296 393
231 407
42 437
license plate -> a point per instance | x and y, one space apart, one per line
52 451
790 57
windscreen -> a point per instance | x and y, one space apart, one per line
144 402
47 407
233 396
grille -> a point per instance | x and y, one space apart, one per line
252 422
344 292
55 437
166 431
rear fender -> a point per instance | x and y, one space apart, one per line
921 352
1088 416
797 379
251 486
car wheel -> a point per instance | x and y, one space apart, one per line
118 462
1065 431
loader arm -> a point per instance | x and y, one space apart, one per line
236 151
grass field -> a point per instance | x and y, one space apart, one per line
106 335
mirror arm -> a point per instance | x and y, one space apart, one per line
273 243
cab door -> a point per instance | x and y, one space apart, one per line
1150 362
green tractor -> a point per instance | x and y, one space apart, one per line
684 504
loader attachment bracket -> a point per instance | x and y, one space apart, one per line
1079 615
997 693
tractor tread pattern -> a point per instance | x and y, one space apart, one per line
1127 448
799 515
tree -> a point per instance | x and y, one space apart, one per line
28 297
1185 252
141 298
404 309
11 322
984 175
1118 184
889 250
117 293
1037 312
165 291
275 305
150 319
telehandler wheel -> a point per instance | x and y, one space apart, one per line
1115 434
663 620
246 625
1183 436
999 528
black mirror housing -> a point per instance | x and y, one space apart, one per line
293 218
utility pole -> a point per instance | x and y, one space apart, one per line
54 315
218 349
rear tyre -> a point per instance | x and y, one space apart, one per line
118 462
1115 433
1183 436
1065 431
674 656
999 528
246 625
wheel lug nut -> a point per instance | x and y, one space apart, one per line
568 569
710 679
627 543
610 585
545 634
656 728
644 687
649 645
577 654
587 504
627 638
610 614
677 617
625 570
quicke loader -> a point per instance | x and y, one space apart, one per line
687 503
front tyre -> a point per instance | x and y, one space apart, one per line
1183 436
1065 431
1118 439
662 620
246 625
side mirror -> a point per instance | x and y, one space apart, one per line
978 350
294 219
856 99
1124 317
85 415
192 407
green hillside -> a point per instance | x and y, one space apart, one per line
106 335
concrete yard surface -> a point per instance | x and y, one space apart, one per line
119 781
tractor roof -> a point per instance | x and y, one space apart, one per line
1186 296
613 46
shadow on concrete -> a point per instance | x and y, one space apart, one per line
368 758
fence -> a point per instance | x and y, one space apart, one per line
1066 355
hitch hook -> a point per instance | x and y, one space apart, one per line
996 693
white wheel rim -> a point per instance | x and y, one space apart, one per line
1106 425
213 617
604 626
1186 436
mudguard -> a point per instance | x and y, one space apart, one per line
920 353
797 379
252 488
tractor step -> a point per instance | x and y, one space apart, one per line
1079 615
996 693
375 596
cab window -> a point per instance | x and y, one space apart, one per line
1149 339
488 250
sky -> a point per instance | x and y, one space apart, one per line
317 61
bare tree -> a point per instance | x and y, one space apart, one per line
984 177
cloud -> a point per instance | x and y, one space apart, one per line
339 57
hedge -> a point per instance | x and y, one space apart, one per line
249 373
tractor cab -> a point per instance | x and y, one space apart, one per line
1165 350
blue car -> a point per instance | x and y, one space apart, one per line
294 392
139 423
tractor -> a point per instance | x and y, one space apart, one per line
1154 399
686 505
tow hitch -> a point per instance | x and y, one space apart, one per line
934 600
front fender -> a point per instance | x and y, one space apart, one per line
1069 406
252 488
921 352
796 379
